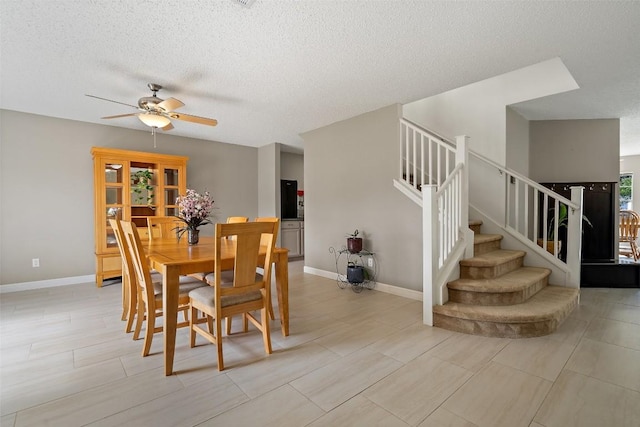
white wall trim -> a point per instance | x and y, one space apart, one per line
382 287
49 283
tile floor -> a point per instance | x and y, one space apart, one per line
351 360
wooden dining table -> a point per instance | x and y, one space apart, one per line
174 258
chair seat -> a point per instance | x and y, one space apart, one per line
199 276
626 239
187 284
226 278
206 296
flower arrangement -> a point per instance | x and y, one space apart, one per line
194 210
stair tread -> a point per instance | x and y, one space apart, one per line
493 258
542 306
484 238
510 282
475 222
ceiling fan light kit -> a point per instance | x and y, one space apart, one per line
157 113
154 120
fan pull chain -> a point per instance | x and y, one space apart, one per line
153 132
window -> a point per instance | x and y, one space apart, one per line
626 191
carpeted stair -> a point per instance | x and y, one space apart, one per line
496 296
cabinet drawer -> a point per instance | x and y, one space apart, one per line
111 263
290 224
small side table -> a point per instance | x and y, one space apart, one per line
365 260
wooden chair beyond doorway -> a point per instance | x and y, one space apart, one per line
629 227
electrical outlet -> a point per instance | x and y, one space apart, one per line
35 262
370 262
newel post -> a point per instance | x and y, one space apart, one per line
574 238
401 142
462 156
430 243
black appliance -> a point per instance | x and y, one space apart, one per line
288 199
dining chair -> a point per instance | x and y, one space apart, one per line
275 220
163 227
149 305
227 276
129 287
629 228
248 292
237 219
130 292
230 220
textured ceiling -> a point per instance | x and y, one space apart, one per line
280 68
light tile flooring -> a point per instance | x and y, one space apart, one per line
351 360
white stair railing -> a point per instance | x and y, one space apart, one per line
434 172
437 168
425 157
547 222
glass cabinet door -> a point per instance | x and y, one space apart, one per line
171 190
114 201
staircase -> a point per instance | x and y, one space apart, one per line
496 296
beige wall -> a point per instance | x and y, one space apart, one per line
517 142
292 168
575 150
269 180
46 189
349 167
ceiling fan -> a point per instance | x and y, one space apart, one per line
157 113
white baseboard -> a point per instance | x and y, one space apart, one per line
49 283
382 287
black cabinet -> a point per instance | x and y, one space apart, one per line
599 206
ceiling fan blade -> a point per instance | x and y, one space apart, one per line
194 119
170 104
167 127
120 115
110 100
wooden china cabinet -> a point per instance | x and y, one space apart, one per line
131 186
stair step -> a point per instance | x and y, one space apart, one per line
514 287
475 225
540 315
483 243
491 264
